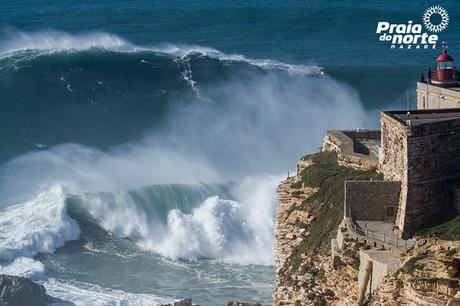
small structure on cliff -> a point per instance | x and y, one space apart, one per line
355 149
441 88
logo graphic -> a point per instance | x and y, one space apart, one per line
436 11
412 35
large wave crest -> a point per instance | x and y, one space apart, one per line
239 119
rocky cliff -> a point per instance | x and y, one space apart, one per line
310 213
20 291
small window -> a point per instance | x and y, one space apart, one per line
445 65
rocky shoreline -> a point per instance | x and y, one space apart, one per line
20 291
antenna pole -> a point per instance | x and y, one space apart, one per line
407 102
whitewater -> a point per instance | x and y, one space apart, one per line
185 210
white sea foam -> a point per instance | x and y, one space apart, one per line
234 231
39 225
72 293
25 267
237 231
80 293
51 41
58 41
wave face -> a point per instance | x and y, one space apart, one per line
101 90
179 221
231 222
119 153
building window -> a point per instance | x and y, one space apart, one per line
445 65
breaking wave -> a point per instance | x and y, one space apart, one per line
39 225
142 142
48 42
179 221
252 123
192 221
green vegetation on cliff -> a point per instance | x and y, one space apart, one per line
329 177
449 230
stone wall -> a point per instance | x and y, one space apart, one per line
434 165
374 266
393 150
357 161
358 147
424 158
351 152
337 141
372 200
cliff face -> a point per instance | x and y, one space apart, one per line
429 276
310 280
310 213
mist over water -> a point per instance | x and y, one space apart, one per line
215 133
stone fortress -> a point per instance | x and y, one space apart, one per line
416 151
342 238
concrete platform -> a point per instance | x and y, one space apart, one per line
383 231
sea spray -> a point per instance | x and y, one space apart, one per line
244 122
39 225
203 225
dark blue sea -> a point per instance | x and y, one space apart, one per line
141 142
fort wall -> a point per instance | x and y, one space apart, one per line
352 153
372 200
422 157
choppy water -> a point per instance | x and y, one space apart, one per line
141 141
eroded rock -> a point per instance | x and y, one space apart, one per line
20 291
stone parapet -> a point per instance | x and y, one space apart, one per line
358 161
372 200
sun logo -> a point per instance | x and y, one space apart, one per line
437 12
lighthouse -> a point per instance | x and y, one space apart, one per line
439 88
446 73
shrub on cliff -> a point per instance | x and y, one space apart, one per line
449 230
327 175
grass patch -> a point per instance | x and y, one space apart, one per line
329 177
359 245
399 286
451 252
351 253
411 265
449 230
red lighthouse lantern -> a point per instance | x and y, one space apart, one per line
446 73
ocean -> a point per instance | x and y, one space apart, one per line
142 141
